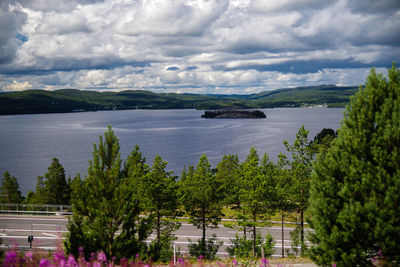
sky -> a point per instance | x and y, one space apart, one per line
194 46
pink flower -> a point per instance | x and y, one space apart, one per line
28 256
10 259
45 263
102 257
234 262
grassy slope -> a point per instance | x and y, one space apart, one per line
67 100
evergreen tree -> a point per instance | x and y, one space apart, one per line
53 188
229 177
9 191
161 193
302 152
201 199
355 191
104 202
55 184
135 229
257 189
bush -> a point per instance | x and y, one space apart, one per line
243 248
211 248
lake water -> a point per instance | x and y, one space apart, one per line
29 142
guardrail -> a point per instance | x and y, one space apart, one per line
6 208
48 209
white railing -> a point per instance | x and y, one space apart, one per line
35 209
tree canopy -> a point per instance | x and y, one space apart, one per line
9 191
355 191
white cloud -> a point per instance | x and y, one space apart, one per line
231 46
17 86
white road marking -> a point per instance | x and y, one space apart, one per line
31 219
25 230
49 234
35 237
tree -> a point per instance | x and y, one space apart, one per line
9 191
201 199
53 188
104 202
355 191
56 185
257 189
302 152
161 193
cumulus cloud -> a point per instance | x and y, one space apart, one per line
17 86
214 46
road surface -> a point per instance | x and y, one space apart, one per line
49 230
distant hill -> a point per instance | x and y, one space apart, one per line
70 100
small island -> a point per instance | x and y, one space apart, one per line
233 114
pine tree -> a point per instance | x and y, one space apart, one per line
257 189
161 193
302 153
52 188
201 199
355 191
9 191
104 202
56 185
228 176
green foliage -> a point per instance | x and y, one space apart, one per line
162 249
68 100
200 197
107 201
211 245
257 189
9 191
160 193
355 192
228 176
53 188
302 152
243 248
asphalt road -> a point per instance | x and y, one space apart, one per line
48 231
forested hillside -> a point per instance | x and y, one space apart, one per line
70 100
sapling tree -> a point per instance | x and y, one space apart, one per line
355 191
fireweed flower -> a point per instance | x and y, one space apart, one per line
58 256
234 262
45 263
264 262
102 257
28 256
10 259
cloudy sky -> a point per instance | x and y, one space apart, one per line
196 46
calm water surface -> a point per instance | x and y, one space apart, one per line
29 142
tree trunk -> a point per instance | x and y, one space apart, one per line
283 237
244 226
302 229
203 221
254 234
158 227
